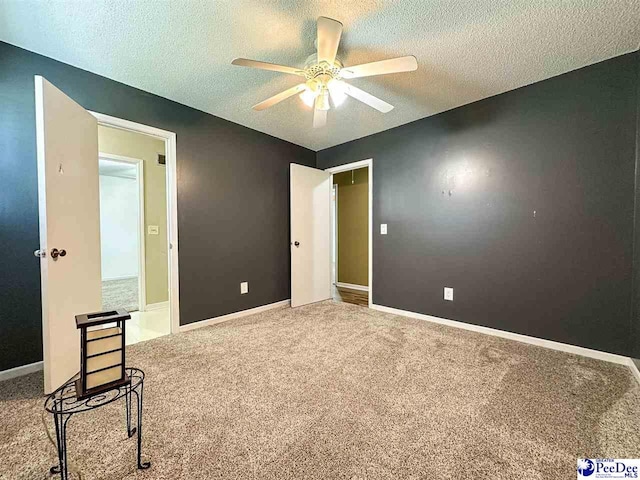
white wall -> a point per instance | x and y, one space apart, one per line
119 227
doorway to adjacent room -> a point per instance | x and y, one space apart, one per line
122 232
134 230
70 250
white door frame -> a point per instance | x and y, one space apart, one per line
353 166
139 163
172 202
334 234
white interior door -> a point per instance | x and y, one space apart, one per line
310 235
69 207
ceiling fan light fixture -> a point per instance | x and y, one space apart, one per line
322 101
308 97
337 89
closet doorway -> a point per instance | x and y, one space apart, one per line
351 232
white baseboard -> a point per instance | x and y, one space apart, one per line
231 316
156 306
563 347
634 370
19 371
352 286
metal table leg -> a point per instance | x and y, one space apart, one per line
130 432
145 465
62 468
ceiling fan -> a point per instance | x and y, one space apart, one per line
325 75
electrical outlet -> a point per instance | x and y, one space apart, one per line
383 229
152 230
244 288
448 293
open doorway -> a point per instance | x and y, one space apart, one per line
121 212
351 233
134 230
313 227
69 217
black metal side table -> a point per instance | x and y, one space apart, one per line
63 404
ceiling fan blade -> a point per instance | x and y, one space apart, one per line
270 102
393 65
368 99
329 33
319 118
245 62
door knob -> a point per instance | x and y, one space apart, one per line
55 253
296 243
40 253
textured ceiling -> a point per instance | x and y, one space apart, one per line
182 50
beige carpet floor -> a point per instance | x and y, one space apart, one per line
121 293
339 391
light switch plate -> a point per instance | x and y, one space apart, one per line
448 293
244 287
383 229
152 229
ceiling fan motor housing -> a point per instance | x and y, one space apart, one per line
318 76
313 69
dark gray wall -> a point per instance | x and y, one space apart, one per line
537 234
635 324
233 200
564 148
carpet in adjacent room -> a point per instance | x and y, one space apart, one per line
120 293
